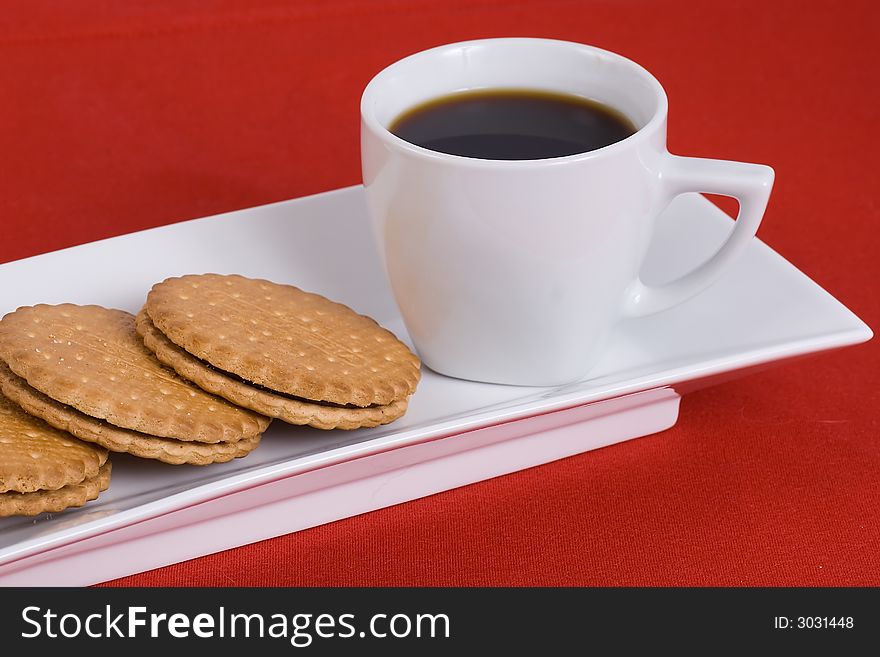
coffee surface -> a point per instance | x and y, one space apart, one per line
511 124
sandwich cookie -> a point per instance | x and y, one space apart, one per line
279 351
83 369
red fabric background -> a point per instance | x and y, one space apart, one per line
117 117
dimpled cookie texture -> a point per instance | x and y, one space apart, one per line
43 469
282 407
91 359
284 339
35 456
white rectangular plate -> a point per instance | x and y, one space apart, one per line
764 310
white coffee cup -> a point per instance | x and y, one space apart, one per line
515 271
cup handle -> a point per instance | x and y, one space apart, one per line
750 184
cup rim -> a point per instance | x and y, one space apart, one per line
369 119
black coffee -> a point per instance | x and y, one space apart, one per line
503 124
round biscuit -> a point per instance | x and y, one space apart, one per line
92 359
292 411
284 339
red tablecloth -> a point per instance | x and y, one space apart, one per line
117 117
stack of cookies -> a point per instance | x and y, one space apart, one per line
83 369
279 351
196 378
43 469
